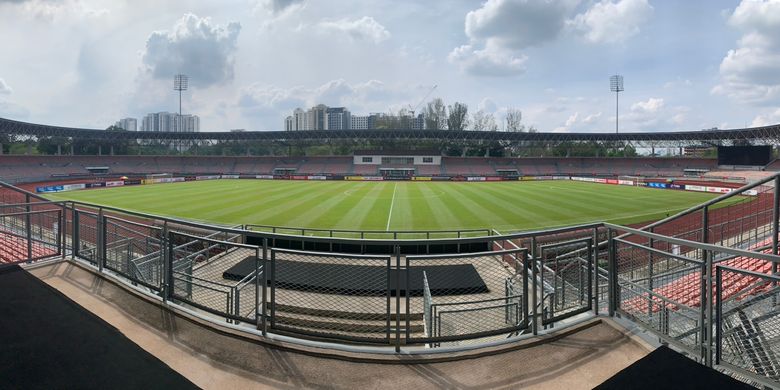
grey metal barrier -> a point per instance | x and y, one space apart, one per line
458 297
748 325
332 295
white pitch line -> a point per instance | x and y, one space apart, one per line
390 214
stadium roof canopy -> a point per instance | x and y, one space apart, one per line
766 135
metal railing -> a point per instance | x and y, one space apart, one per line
708 288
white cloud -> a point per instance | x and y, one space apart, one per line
575 123
591 119
500 29
5 89
53 11
749 72
281 6
260 101
196 47
487 105
363 29
490 61
767 119
650 106
518 24
679 83
610 22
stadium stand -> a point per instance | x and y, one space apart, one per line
31 168
773 166
14 248
686 290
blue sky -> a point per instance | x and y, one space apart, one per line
687 65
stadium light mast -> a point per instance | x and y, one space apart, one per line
616 86
180 83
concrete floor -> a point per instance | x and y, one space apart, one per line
214 360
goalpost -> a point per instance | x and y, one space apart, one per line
638 180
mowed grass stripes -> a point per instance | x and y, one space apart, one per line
505 206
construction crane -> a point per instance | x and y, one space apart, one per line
413 109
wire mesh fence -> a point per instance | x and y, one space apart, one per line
30 235
329 295
662 291
748 325
211 274
566 272
85 239
466 296
134 250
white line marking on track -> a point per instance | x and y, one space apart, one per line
390 214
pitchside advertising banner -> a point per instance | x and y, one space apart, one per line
364 178
46 189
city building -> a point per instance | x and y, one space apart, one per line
337 118
170 122
129 124
359 122
322 117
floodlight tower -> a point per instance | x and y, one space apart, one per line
616 86
180 82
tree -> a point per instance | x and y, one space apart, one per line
483 121
435 115
458 117
514 118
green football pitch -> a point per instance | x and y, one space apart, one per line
505 206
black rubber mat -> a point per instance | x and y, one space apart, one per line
366 280
667 369
48 341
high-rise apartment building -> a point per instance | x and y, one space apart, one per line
170 122
129 124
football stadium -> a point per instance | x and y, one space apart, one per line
420 267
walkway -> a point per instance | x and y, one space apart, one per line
214 360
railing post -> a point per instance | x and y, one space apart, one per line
166 253
650 271
28 226
397 250
101 240
705 224
706 307
75 242
407 298
718 312
263 319
612 260
595 270
776 220
60 238
535 289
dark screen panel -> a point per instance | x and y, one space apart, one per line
744 155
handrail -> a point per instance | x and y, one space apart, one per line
697 245
710 202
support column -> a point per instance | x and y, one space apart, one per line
112 150
72 149
100 150
29 148
1 149
59 149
